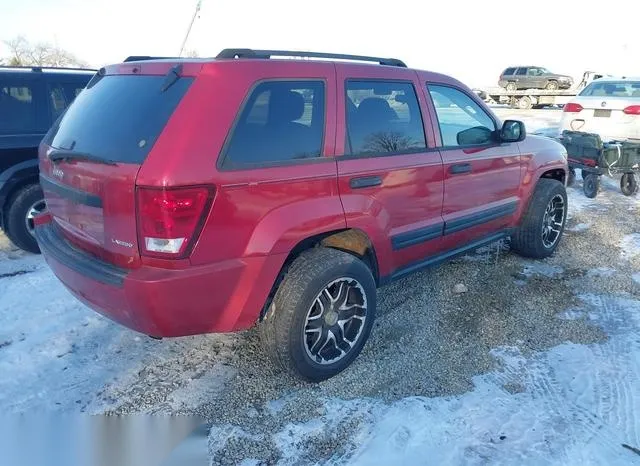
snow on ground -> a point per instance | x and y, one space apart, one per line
572 405
57 355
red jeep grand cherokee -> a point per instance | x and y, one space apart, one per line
189 196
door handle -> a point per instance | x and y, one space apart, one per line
365 182
460 168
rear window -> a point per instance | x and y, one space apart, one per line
119 118
623 89
509 71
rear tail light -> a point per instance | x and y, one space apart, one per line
170 220
572 108
632 110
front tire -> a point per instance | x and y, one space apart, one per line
552 86
543 223
19 228
321 315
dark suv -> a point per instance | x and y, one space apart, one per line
188 196
533 77
30 101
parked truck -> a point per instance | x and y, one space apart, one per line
537 98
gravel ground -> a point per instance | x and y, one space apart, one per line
428 340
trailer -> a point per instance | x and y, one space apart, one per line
538 98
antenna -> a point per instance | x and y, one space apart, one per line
193 18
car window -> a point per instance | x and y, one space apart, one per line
534 72
119 118
281 121
383 117
521 71
18 112
509 71
625 89
57 100
461 120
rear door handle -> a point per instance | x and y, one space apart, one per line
365 182
460 168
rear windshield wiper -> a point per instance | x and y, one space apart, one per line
60 154
171 77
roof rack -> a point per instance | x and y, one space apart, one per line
266 54
38 68
146 57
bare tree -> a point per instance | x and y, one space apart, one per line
23 53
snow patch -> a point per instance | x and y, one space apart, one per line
579 227
577 404
601 272
636 277
541 269
572 314
630 246
203 388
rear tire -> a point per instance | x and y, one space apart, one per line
628 184
511 87
19 221
321 315
590 184
543 222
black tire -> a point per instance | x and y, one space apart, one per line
525 103
511 87
283 329
528 239
590 184
551 86
571 178
16 226
628 184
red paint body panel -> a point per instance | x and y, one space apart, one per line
258 216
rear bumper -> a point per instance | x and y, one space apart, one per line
220 297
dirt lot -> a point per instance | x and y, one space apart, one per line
428 342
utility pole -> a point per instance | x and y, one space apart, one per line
195 14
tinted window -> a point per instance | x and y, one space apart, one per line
281 121
521 71
383 118
57 100
462 121
119 118
509 71
623 89
17 108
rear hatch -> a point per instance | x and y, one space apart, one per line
90 158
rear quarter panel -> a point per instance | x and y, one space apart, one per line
258 211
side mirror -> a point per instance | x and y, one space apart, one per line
475 136
512 131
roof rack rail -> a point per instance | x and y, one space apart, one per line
266 54
146 57
40 68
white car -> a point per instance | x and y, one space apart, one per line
609 107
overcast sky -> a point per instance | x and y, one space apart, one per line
472 41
